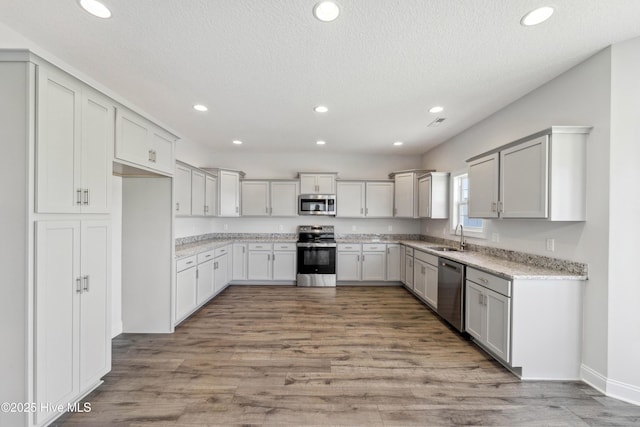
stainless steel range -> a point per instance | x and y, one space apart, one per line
316 255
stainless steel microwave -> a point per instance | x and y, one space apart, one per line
317 204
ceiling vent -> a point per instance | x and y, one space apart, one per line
436 122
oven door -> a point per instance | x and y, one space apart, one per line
316 259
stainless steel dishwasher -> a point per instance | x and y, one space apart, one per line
451 292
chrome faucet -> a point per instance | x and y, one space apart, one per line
462 242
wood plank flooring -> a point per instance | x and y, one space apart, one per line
357 356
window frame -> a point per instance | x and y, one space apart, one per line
476 232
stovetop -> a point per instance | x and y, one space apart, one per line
316 234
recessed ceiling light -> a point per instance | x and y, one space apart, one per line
326 11
96 8
200 107
321 109
320 142
537 16
237 142
436 109
398 143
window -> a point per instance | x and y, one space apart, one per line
460 208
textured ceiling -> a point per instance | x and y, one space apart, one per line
262 65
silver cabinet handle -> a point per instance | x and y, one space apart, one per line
237 209
243 249
266 210
190 262
85 279
78 196
362 258
78 285
494 206
361 210
178 207
480 299
358 257
206 209
366 211
483 280
197 273
273 257
500 206
86 196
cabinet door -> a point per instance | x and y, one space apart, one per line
284 265
403 256
326 184
58 151
186 292
373 264
379 200
308 184
431 287
98 129
95 328
259 265
524 182
284 198
197 193
255 198
220 272
419 277
163 147
229 186
239 261
205 281
57 298
182 190
348 266
475 317
393 262
424 197
404 194
350 199
408 272
498 315
483 187
132 138
210 193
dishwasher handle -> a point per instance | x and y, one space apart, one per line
455 267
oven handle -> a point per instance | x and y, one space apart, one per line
316 245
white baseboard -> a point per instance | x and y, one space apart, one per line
626 392
116 329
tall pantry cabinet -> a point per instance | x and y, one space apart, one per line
55 171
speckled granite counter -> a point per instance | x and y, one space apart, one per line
190 249
505 268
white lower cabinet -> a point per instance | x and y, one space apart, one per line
393 262
488 312
374 261
408 268
425 277
205 277
272 261
348 262
240 259
220 268
357 262
186 287
72 326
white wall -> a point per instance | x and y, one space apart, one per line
116 257
581 96
624 234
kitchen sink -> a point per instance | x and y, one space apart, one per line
444 249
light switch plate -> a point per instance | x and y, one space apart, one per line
551 245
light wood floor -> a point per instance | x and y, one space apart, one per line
358 356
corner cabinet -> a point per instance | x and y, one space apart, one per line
228 197
433 195
74 148
140 143
406 193
541 176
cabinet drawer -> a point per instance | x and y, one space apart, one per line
260 246
425 257
374 247
184 263
205 256
221 251
495 283
284 247
408 251
349 247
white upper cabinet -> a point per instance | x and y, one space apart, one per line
379 199
539 176
433 195
74 146
483 187
182 189
406 193
143 144
350 199
269 198
210 195
317 183
197 193
229 193
372 199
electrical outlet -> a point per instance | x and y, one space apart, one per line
226 226
495 237
390 228
551 245
427 228
353 228
280 227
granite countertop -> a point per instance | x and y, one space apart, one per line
551 270
501 267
